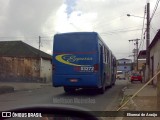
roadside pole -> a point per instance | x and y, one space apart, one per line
158 89
147 43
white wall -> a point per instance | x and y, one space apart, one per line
46 70
155 51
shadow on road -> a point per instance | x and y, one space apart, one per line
83 92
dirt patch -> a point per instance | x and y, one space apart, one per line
140 103
146 103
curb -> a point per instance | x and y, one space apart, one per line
6 89
123 99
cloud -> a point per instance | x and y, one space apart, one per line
45 18
71 4
27 18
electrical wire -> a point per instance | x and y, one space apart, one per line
107 23
27 38
142 40
116 32
153 30
155 8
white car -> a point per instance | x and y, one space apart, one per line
120 75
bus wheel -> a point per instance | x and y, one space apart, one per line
69 89
102 89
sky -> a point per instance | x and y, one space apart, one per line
26 20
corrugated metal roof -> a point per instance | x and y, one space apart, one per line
20 49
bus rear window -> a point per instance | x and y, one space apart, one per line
74 43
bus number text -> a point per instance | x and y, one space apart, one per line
87 69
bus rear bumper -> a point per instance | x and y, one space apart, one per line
79 81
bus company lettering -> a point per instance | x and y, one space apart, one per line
69 59
73 58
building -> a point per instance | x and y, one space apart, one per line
124 65
142 63
154 50
24 63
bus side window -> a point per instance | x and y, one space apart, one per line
105 55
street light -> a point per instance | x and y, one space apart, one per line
136 39
147 10
134 16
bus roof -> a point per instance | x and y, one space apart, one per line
77 33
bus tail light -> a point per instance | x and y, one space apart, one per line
96 67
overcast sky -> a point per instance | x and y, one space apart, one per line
27 19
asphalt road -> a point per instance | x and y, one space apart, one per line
49 95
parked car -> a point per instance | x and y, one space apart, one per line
136 77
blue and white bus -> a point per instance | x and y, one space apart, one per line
82 60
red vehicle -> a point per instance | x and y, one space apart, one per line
136 77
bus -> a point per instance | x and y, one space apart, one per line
82 60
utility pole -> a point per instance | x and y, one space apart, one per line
134 55
39 42
39 54
136 52
148 42
39 46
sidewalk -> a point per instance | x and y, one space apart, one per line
145 100
6 87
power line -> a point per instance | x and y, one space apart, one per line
16 37
115 32
155 8
50 38
157 14
26 38
109 22
154 31
142 40
128 28
121 30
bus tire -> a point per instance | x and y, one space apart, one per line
69 89
103 88
113 84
